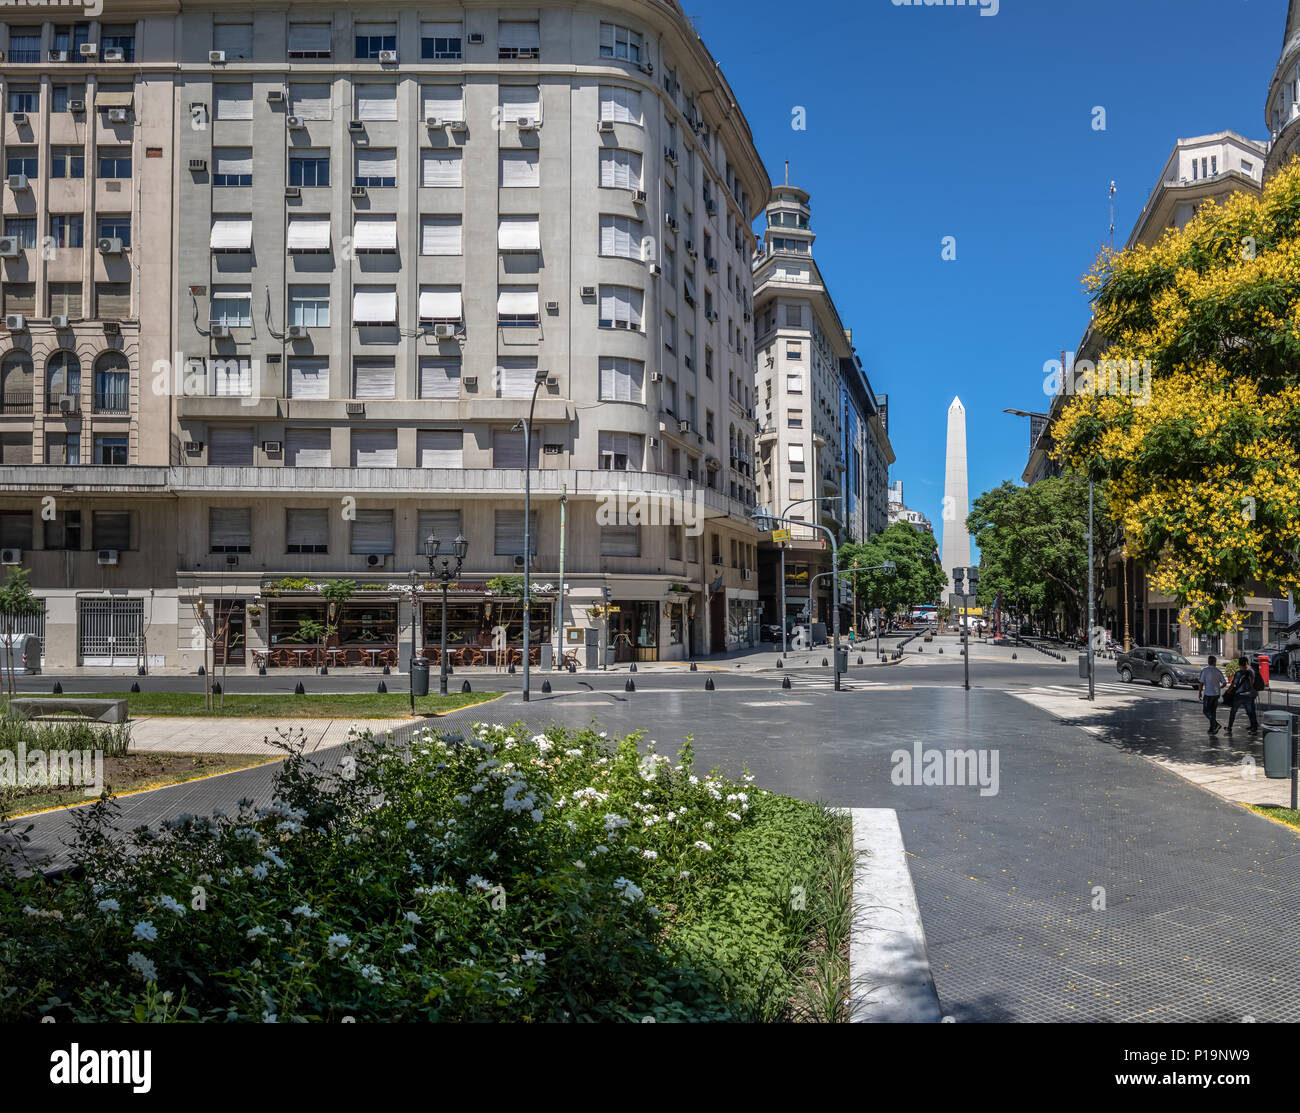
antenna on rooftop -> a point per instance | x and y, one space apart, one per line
1112 216
787 171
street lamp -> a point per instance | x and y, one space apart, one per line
538 383
785 647
455 550
889 567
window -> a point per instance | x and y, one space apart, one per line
793 350
232 306
794 384
375 234
439 378
374 448
115 162
65 449
375 378
113 300
794 419
232 378
374 37
24 100
621 451
24 45
233 166
508 533
67 230
441 168
309 40
67 162
115 227
621 307
307 448
309 378
620 541
309 235
508 452
230 529
233 102
374 305
520 102
236 39
232 234
110 452
306 530
515 378
708 426
310 101
23 229
794 316
65 300
22 160
520 169
620 42
118 38
20 297
620 236
796 490
621 105
111 529
518 233
372 533
518 39
796 458
309 170
17 389
309 306
68 38
441 305
439 448
443 102
621 380
376 102
619 169
376 169
517 306
440 42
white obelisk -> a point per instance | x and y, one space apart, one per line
956 496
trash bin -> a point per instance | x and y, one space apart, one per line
1262 661
841 660
1083 666
1277 744
420 676
547 657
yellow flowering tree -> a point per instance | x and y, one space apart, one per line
1204 472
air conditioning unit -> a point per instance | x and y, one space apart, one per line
117 116
76 106
639 197
294 123
89 50
18 183
355 409
15 322
112 328
519 561
606 126
671 221
654 442
114 54
683 426
292 193
297 332
20 119
655 270
656 376
69 406
552 307
58 55
527 123
109 245
275 96
589 291
670 156
220 332
552 381
272 447
712 264
198 165
193 447
690 248
9 248
710 206
470 381
356 125
215 56
377 560
459 125
59 322
358 192
11 556
107 556
476 38
444 331
434 122
711 315
388 57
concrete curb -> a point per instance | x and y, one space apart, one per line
889 968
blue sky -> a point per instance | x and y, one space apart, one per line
933 122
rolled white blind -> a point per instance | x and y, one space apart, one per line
519 233
441 168
236 39
620 169
517 301
306 528
230 447
307 448
229 527
508 532
232 378
376 102
311 101
309 38
439 448
620 104
232 160
519 169
796 454
443 525
621 305
440 30
375 233
440 235
309 234
439 378
519 35
520 100
375 306
446 102
621 380
516 378
376 380
377 164
372 532
232 234
233 102
620 236
374 448
620 541
440 303
376 30
309 378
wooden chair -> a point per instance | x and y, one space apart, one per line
570 658
388 657
283 658
259 660
470 655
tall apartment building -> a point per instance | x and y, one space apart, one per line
823 442
399 229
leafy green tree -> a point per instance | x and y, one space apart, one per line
917 577
16 601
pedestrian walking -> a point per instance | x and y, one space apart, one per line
1209 684
1241 694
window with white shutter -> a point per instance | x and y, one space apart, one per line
520 169
309 378
232 233
620 541
508 533
518 39
307 448
619 169
439 448
230 447
440 41
375 234
372 533
230 529
306 530
520 102
620 236
508 448
516 378
376 169
376 102
620 104
441 168
309 234
620 42
519 233
441 305
374 305
310 100
621 451
374 448
230 378
440 378
621 307
232 306
621 380
517 306
232 166
375 378
440 235
236 39
442 525
233 102
309 40
443 102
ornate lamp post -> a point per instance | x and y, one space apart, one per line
446 551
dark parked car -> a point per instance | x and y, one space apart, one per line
1165 667
1280 652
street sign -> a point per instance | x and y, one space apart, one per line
780 535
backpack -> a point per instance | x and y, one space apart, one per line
1258 683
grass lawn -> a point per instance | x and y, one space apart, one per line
133 773
1282 815
276 705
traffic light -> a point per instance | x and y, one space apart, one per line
958 575
608 594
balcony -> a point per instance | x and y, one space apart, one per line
16 403
112 403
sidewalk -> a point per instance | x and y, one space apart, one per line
179 734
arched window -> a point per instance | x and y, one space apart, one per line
62 379
112 384
16 378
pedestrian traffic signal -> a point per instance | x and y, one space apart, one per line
607 593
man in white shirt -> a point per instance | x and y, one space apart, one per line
1210 683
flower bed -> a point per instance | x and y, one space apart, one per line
500 877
